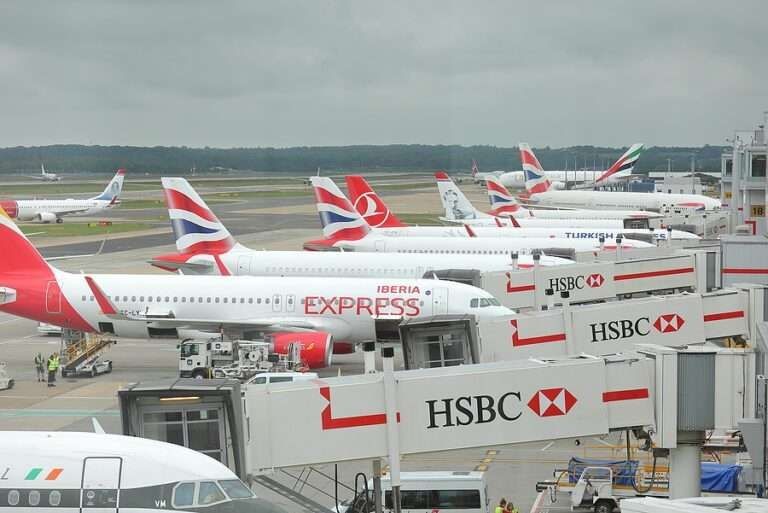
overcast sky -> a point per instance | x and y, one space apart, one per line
264 73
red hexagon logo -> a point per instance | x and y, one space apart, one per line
552 402
595 280
668 323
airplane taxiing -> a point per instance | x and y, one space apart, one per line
71 472
374 210
479 177
221 254
150 306
345 228
46 176
48 211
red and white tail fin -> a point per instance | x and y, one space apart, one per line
535 179
339 219
29 287
475 169
502 202
369 205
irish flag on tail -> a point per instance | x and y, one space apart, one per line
623 166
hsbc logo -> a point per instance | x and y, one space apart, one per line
552 402
640 327
569 283
668 323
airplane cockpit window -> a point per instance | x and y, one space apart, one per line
235 489
209 493
184 494
473 302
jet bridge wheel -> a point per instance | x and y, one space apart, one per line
604 506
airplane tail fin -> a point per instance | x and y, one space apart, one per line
114 188
195 226
456 205
20 257
622 167
369 205
42 169
535 178
502 202
475 169
339 219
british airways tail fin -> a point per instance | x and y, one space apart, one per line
456 206
339 219
195 226
535 178
502 202
369 205
622 167
114 188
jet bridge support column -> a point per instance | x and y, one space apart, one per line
685 465
393 436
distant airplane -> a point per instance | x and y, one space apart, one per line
49 211
70 472
479 177
46 177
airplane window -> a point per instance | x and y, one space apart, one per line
484 302
141 298
207 300
266 301
226 299
91 298
250 300
234 300
149 299
83 298
54 498
258 300
34 498
217 300
175 299
184 494
473 303
242 300
209 492
133 299
158 299
13 498
200 300
183 299
236 489
494 301
167 299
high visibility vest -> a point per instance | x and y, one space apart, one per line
56 363
51 364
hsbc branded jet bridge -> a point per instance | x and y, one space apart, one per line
666 396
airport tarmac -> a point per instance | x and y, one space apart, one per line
269 223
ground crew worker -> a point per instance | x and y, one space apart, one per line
502 506
53 365
511 508
40 368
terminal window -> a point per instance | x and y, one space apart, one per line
758 166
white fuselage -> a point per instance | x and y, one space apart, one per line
477 245
629 200
245 261
516 179
42 210
606 232
344 307
72 472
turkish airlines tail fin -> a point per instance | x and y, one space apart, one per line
535 178
502 202
195 226
339 219
369 205
622 167
114 188
457 207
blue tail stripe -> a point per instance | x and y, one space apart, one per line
327 218
183 227
499 199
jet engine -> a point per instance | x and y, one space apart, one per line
315 346
558 186
343 348
46 217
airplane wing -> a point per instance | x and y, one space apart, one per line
71 257
194 267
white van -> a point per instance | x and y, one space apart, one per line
264 378
426 492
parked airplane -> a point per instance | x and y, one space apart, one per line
48 211
344 227
74 472
458 209
540 194
364 197
221 254
620 170
479 177
141 306
45 176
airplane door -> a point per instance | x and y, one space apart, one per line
244 265
439 301
53 297
380 245
277 303
100 487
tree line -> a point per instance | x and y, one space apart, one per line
70 158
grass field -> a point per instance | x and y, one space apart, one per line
66 229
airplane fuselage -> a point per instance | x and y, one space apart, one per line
51 210
629 200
